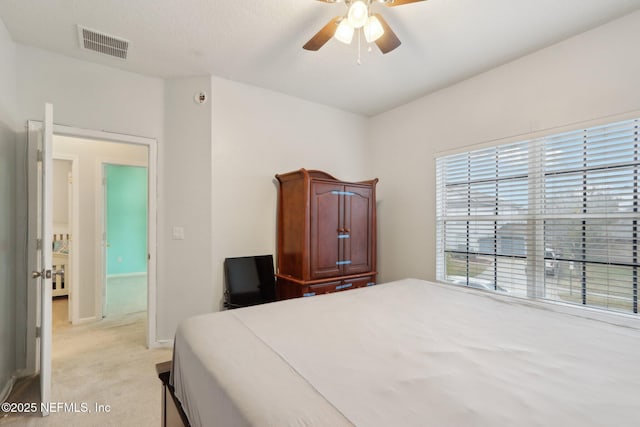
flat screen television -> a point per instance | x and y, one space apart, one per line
249 281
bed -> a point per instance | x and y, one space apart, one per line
408 353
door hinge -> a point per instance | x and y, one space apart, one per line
38 331
38 244
39 155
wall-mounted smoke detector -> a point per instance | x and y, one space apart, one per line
102 43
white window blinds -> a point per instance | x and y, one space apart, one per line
554 218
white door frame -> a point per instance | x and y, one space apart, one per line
152 160
101 221
32 308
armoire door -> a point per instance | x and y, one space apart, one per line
325 222
358 217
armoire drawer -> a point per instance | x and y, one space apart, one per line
288 288
360 282
323 288
337 286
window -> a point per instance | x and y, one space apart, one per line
555 217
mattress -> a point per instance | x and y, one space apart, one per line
409 353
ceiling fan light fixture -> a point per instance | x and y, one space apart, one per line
344 32
358 14
373 29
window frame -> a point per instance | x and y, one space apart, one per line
537 210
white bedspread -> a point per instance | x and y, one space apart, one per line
409 353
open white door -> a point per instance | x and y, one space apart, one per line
43 271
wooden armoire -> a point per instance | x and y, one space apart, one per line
326 234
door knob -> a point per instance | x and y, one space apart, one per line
46 274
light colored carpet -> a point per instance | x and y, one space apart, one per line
103 363
126 294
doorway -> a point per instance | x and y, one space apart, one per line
124 225
39 227
64 169
89 245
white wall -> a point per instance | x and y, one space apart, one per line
7 77
7 255
61 170
8 223
587 77
90 153
257 134
87 95
237 142
185 286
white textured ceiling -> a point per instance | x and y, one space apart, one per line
260 41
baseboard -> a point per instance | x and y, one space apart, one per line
84 320
161 344
126 275
21 373
6 390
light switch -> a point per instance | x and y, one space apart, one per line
178 233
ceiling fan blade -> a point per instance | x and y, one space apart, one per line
400 2
324 35
388 41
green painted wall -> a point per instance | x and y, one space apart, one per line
126 200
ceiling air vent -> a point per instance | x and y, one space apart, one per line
102 43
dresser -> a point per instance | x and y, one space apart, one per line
326 234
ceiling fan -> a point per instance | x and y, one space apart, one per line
359 16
